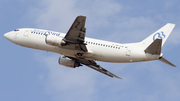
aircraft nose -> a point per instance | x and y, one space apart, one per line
6 35
9 36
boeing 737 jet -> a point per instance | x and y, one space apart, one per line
78 50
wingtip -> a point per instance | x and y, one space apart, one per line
81 16
118 77
171 24
174 66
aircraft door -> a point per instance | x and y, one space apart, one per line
26 32
16 36
128 51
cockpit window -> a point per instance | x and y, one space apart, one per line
16 30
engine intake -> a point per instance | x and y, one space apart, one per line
54 40
65 61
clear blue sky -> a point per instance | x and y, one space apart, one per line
33 75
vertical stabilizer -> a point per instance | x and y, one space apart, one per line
163 33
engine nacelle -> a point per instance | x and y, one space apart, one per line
54 40
65 61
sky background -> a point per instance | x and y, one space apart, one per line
33 75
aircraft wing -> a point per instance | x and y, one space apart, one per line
76 34
92 64
75 40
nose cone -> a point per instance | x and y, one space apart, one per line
6 35
9 36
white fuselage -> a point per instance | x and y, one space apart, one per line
97 49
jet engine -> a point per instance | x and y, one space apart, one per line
65 61
54 40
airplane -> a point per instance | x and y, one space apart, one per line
78 50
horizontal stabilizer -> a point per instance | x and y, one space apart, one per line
154 47
166 61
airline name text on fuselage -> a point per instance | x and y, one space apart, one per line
45 32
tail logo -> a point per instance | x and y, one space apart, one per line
159 35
